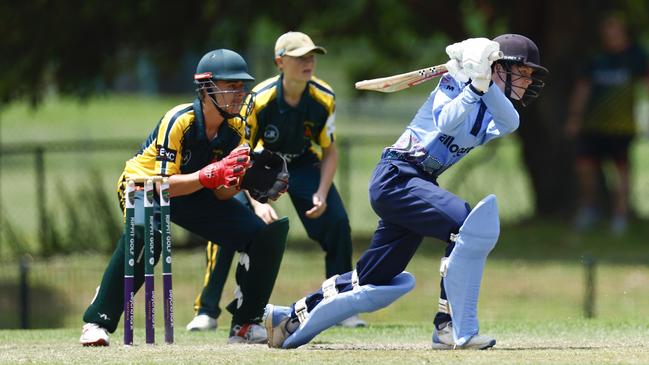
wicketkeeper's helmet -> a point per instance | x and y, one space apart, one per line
226 65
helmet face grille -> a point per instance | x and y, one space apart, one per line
230 103
525 96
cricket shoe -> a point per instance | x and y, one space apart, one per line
443 340
94 335
278 323
249 333
353 322
202 322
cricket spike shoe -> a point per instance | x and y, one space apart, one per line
94 335
249 333
279 325
202 322
443 340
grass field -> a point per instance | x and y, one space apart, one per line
533 292
555 342
532 304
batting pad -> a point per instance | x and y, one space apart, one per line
477 237
365 298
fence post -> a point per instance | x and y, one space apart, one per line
24 291
589 292
344 174
41 205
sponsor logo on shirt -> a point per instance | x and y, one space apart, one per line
271 133
452 147
165 154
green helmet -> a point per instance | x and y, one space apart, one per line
222 64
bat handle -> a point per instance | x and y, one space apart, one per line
496 55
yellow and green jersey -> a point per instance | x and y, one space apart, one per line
295 132
178 144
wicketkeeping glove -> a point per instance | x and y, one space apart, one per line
227 171
267 178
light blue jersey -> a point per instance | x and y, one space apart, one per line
453 120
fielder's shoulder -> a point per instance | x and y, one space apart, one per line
322 86
265 91
183 114
323 94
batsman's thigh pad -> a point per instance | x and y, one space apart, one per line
332 310
477 237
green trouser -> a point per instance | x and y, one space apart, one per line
108 304
331 231
264 259
227 221
219 260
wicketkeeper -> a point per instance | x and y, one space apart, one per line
200 147
470 106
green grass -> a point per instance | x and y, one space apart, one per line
531 302
576 342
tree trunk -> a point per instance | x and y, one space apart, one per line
548 154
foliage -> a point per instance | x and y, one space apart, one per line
84 56
82 220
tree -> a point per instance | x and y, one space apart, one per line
80 45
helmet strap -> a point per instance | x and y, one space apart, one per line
221 111
508 80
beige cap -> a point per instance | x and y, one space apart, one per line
296 44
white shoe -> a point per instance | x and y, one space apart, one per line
251 333
94 335
353 322
202 322
277 321
443 340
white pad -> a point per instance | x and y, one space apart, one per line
332 310
477 237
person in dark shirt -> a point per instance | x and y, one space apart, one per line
601 118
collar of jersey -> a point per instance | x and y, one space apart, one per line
281 103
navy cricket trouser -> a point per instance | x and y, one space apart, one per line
410 206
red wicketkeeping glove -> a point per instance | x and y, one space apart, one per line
228 170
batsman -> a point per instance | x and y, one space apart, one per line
471 105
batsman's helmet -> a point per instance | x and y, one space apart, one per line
225 65
520 50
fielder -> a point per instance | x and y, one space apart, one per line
199 146
470 106
294 115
